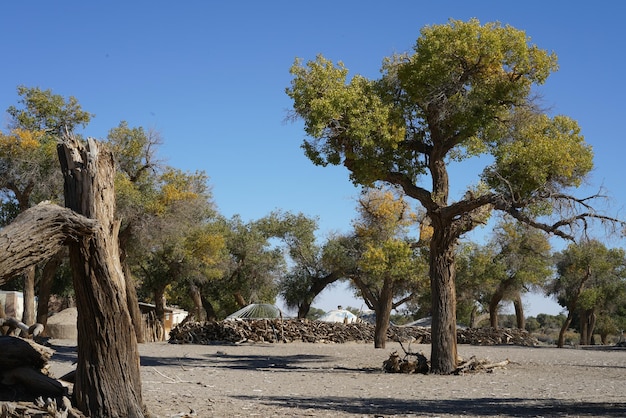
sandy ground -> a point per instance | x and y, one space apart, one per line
346 380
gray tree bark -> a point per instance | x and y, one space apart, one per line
37 235
108 382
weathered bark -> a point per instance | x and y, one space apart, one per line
592 326
211 315
587 326
494 303
383 314
108 381
241 302
38 234
133 304
159 303
28 315
504 288
45 287
572 306
561 341
519 311
443 357
131 290
198 310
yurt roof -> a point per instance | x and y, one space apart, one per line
257 311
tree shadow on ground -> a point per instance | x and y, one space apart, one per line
64 353
514 407
308 362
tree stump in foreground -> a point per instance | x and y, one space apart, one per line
108 382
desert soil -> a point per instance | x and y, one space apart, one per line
346 380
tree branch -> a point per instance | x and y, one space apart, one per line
37 234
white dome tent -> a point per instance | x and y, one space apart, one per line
339 315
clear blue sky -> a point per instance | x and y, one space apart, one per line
210 77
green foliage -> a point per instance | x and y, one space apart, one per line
538 155
29 166
590 278
388 265
553 322
252 268
461 81
41 110
532 325
523 255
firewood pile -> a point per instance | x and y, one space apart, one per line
417 363
291 330
26 389
500 336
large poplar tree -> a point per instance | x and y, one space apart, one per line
464 91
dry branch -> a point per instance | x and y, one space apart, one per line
36 235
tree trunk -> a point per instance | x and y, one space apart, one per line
564 327
494 302
211 315
45 288
198 310
472 321
241 302
28 315
133 304
519 312
131 289
587 326
317 286
383 314
442 274
108 382
584 328
159 312
592 326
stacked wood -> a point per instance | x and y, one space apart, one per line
290 330
25 383
500 336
